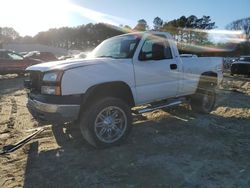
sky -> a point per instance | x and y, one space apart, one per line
28 17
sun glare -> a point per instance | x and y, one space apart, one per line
29 17
95 15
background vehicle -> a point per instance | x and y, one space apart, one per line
121 73
11 62
23 53
81 55
65 57
241 66
43 56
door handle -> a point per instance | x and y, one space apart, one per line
173 66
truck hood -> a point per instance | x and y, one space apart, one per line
67 64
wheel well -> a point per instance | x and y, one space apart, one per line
114 89
207 79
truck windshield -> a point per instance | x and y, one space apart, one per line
121 47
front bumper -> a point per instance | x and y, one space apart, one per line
52 113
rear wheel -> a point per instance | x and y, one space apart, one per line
203 101
106 122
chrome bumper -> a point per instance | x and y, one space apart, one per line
53 112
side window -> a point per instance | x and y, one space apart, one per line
155 48
146 50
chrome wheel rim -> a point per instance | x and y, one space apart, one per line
110 124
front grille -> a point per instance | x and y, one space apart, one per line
35 81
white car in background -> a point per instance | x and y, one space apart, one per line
81 55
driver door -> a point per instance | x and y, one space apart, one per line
156 70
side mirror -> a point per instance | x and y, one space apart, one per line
142 56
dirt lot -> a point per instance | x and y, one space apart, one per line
173 148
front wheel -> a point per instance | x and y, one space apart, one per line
106 122
204 101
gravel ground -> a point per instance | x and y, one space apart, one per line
171 148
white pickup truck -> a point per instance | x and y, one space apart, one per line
123 72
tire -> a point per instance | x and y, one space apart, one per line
106 122
203 101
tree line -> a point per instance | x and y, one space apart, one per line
187 31
83 37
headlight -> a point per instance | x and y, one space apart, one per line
51 90
51 83
51 76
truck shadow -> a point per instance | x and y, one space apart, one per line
73 163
